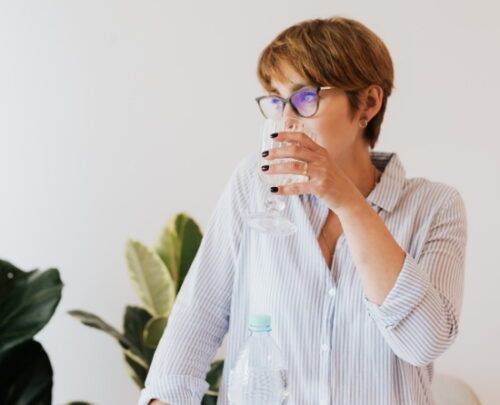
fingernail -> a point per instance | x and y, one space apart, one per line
274 135
265 153
274 189
265 168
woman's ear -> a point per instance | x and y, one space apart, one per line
372 101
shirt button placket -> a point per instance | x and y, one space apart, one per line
324 397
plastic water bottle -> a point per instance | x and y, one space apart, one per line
259 375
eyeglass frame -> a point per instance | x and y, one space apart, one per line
288 99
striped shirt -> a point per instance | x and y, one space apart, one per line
340 347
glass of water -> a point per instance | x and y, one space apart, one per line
272 219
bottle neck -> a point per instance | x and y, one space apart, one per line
259 333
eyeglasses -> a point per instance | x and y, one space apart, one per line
304 102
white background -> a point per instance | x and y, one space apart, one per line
114 115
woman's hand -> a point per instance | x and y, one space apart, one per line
326 179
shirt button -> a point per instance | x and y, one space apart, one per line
331 292
325 347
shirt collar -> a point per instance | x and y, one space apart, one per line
388 190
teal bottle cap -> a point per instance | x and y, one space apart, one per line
260 323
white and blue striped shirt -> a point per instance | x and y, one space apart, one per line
340 347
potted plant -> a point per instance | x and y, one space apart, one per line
157 275
27 302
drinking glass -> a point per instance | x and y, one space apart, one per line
273 220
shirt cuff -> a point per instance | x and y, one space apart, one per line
411 285
174 390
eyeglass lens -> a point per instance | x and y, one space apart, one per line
305 102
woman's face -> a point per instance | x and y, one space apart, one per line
335 129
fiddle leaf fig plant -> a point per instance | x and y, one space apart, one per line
27 302
150 278
157 275
177 246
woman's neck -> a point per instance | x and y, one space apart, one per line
358 166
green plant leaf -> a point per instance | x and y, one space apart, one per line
154 330
136 371
26 375
190 237
28 301
9 275
78 403
151 279
134 322
209 399
178 245
168 249
213 378
137 359
215 374
94 321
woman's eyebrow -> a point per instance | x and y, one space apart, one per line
296 86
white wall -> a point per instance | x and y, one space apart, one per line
104 133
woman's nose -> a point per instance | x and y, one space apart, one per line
288 112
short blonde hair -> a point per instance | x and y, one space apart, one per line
335 51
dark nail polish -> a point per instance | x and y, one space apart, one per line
265 153
265 168
274 135
274 189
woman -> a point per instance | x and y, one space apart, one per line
368 293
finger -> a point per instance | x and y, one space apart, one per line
296 151
293 189
296 136
294 167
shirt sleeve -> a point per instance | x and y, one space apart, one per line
419 317
199 318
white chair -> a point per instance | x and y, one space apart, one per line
448 390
